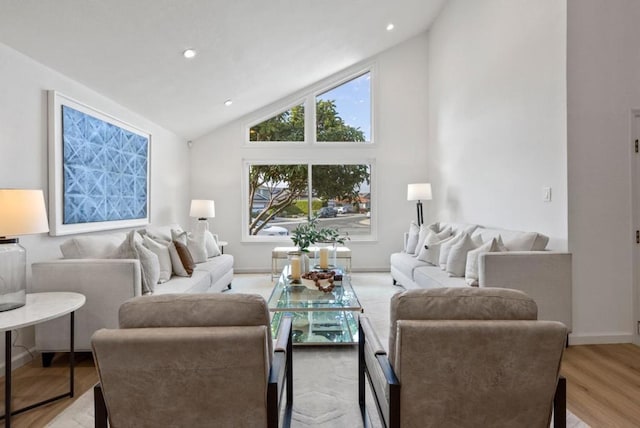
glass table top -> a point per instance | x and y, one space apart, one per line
297 297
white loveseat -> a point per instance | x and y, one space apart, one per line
542 274
107 283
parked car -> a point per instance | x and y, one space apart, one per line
326 212
273 231
343 209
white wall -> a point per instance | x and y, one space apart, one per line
23 147
497 114
400 157
603 71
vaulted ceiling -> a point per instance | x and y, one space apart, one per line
253 52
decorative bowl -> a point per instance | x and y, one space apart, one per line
322 281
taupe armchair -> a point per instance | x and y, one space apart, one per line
464 357
197 360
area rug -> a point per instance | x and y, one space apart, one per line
325 378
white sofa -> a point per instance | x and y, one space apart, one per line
106 284
544 275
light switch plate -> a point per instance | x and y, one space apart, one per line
546 194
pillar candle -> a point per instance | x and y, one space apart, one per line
295 267
324 258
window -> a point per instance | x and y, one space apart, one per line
344 112
341 114
281 196
286 126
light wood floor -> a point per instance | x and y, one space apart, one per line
603 385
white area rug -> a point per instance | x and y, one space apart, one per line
325 379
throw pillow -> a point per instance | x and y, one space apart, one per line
412 240
430 251
161 249
527 241
213 250
422 235
445 248
185 257
195 244
471 269
457 258
176 263
149 265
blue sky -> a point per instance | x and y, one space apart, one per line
353 101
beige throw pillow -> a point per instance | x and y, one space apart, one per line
430 251
412 240
445 248
196 245
457 258
161 249
150 267
471 269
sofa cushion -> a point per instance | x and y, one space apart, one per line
216 266
406 263
515 240
199 282
91 247
434 277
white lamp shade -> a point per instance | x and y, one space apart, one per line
202 208
419 192
22 212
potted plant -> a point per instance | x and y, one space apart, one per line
307 234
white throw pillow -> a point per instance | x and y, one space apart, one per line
150 267
445 248
527 241
457 258
161 249
91 247
425 231
195 244
430 251
176 263
412 240
471 269
213 250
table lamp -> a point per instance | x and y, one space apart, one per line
419 192
203 209
22 212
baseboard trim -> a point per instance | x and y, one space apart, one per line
20 359
600 339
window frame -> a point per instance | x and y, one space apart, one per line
308 100
244 218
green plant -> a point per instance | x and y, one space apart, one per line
307 234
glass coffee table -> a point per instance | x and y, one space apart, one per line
319 318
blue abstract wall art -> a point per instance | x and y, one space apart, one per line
104 170
99 169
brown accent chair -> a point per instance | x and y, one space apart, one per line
193 360
464 357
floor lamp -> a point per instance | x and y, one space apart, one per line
419 192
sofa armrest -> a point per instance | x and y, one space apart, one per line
106 284
544 275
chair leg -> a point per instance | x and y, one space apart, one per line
560 404
99 408
361 375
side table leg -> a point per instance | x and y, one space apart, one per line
72 353
7 378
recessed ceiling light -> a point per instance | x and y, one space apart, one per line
390 27
189 53
228 102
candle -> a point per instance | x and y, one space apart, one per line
295 267
324 258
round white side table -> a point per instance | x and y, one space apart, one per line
40 307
